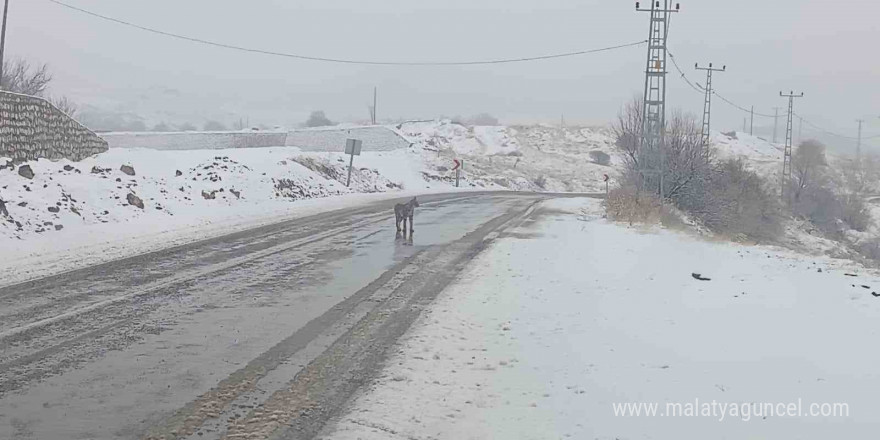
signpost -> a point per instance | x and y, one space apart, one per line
457 168
352 147
605 178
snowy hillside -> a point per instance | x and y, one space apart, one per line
535 158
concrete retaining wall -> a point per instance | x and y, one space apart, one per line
319 139
32 128
196 140
333 139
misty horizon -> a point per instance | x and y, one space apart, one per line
109 68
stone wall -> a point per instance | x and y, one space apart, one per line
196 140
32 128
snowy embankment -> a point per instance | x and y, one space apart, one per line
71 214
533 158
617 316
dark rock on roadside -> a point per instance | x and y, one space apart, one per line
134 200
26 172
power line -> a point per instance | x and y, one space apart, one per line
816 127
341 60
699 88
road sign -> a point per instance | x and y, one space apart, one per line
457 168
353 147
605 177
457 164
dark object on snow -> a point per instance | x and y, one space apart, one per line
700 277
59 227
865 287
68 168
134 200
54 209
820 270
3 208
209 195
127 169
876 295
26 172
850 274
237 194
178 173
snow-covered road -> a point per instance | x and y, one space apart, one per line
567 315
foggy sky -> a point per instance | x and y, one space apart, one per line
826 49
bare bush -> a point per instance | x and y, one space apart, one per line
66 105
740 202
318 119
19 76
629 203
541 181
726 197
600 157
807 165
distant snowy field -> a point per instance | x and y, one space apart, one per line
615 316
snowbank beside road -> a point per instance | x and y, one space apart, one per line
615 316
77 213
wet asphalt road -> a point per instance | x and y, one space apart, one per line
259 334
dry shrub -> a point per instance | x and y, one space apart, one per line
628 203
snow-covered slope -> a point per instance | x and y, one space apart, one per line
614 316
535 158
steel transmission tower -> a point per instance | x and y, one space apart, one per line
707 106
654 113
786 157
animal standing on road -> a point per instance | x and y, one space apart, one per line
403 211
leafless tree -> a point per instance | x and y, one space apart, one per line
318 119
65 104
19 76
627 131
807 164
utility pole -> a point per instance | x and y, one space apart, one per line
651 155
775 122
800 128
707 106
752 123
786 157
3 39
375 103
859 143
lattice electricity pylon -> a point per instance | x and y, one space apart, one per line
651 154
707 106
786 156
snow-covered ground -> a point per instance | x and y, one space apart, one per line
615 316
78 213
533 158
75 213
